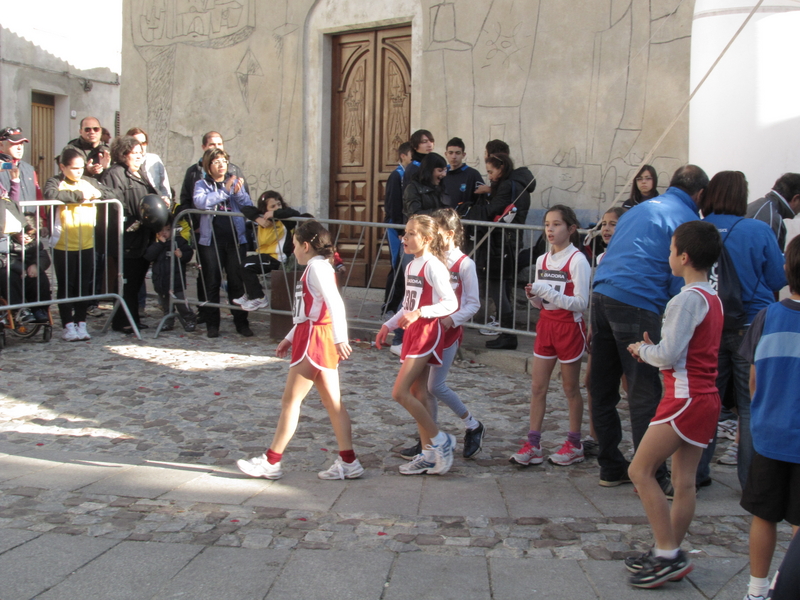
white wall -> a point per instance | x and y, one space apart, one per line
746 117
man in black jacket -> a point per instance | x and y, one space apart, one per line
422 144
96 152
782 202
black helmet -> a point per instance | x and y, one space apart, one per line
154 211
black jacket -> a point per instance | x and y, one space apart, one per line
421 199
499 251
129 190
89 152
159 254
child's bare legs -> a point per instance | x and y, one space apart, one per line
570 378
659 443
763 537
298 384
327 384
541 371
410 391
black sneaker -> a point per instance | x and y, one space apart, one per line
666 486
656 571
505 341
40 315
245 331
634 564
590 447
212 331
615 481
411 452
473 440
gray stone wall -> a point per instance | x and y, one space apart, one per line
580 90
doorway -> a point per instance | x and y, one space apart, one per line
43 119
370 118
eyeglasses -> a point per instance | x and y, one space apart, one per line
220 162
91 129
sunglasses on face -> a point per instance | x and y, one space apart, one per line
91 129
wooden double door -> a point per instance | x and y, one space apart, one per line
371 110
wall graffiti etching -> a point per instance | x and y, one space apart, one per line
581 93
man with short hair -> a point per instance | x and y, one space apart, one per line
11 144
631 289
422 144
782 202
492 147
96 153
461 179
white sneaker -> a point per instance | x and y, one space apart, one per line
727 429
82 333
731 455
259 466
342 470
70 333
241 300
417 466
528 455
492 323
444 455
255 304
396 349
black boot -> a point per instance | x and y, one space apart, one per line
505 341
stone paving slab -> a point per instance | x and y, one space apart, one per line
19 466
542 495
40 564
539 578
610 582
298 491
68 476
477 496
12 538
226 574
129 571
381 494
143 481
217 487
338 575
418 576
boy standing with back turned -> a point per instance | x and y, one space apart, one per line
772 491
686 418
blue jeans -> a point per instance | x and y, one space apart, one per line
615 325
732 368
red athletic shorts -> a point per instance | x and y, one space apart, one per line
422 338
565 341
314 342
694 419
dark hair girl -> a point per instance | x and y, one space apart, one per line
644 187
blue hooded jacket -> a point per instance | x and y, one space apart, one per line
635 269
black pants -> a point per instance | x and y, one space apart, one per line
251 268
214 259
134 271
75 277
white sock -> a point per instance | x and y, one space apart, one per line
658 552
429 455
470 422
440 438
759 586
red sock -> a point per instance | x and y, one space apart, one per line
273 457
348 456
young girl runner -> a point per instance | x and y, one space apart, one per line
561 290
429 296
464 279
319 341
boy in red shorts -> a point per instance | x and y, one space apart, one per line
686 419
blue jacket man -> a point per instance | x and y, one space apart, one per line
631 289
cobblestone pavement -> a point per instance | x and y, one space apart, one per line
175 413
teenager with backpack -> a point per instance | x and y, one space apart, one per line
751 248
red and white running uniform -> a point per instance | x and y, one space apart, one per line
427 289
319 318
561 291
464 279
687 356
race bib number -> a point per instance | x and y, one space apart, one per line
299 302
413 292
555 279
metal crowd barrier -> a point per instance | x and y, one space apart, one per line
484 242
106 277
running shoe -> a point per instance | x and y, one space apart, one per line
444 455
590 446
81 331
657 571
70 333
396 349
473 440
342 470
731 456
241 300
489 327
259 466
634 564
727 429
418 466
568 455
527 455
255 304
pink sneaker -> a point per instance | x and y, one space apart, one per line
527 455
568 455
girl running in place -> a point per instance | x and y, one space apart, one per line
319 342
429 296
607 226
561 291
